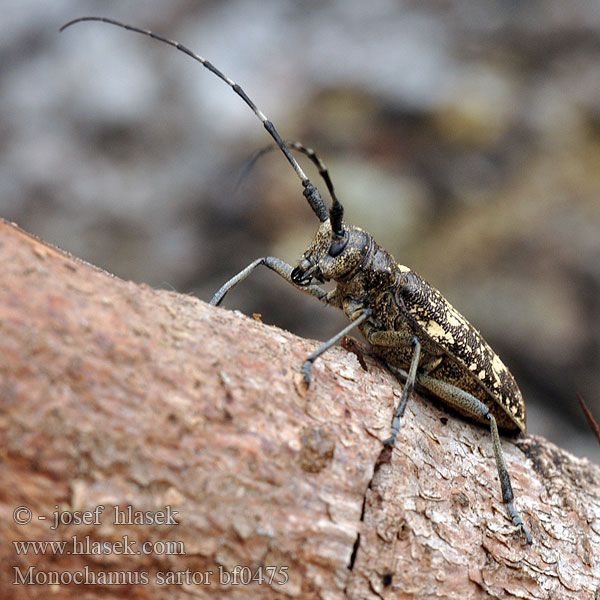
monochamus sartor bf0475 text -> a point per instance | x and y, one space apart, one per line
408 323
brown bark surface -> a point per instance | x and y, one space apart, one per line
115 394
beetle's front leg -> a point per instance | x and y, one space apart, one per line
281 268
470 405
308 363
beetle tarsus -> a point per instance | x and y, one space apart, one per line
307 371
518 522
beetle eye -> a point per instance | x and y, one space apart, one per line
337 246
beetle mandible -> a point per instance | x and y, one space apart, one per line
408 323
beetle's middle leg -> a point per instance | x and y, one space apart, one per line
397 339
470 405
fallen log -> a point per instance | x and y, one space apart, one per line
169 447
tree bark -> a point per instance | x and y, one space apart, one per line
117 395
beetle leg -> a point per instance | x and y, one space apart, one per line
281 268
308 363
409 387
470 405
390 339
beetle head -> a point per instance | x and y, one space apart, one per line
336 250
331 256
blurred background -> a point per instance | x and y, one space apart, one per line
464 135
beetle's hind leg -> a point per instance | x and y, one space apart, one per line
468 404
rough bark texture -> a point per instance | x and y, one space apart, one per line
116 394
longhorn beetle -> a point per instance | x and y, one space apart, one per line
408 323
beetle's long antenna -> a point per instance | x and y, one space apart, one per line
336 214
310 191
298 146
